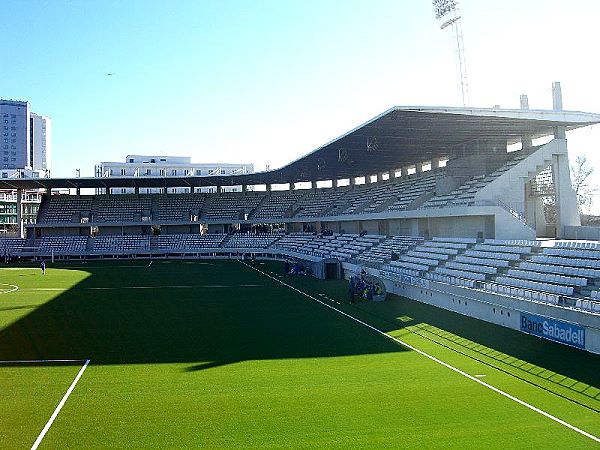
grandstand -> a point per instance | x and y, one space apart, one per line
429 199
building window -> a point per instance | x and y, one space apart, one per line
174 172
122 171
198 172
148 171
130 160
162 172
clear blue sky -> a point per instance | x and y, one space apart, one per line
265 82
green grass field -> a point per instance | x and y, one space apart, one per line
215 354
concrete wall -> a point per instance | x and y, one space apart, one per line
587 233
490 307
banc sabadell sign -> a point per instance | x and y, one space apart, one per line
555 330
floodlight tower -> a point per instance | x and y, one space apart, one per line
447 12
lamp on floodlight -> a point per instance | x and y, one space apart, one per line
447 12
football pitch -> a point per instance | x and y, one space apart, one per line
222 354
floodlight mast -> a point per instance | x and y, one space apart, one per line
447 12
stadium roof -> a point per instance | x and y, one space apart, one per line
401 136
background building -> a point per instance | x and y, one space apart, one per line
25 152
168 166
26 145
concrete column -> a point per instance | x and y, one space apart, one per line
435 163
557 105
244 188
136 190
419 167
567 211
352 181
268 188
20 231
78 191
404 171
526 139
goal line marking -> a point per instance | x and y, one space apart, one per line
439 361
44 361
38 441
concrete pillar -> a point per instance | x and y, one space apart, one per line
269 188
78 191
352 181
404 172
20 231
526 139
567 211
557 105
419 167
244 188
136 190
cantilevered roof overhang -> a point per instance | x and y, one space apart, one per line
399 137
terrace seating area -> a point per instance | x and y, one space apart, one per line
11 246
410 190
65 208
382 252
293 242
242 240
120 244
187 242
61 244
121 208
178 207
230 206
465 194
407 192
278 205
340 246
316 203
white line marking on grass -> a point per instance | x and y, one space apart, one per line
12 288
439 361
37 361
119 288
149 264
37 442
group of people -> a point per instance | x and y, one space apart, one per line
359 285
296 268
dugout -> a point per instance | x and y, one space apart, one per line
327 269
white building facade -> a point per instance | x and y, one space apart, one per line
25 145
168 166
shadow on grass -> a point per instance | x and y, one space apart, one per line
174 313
524 356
